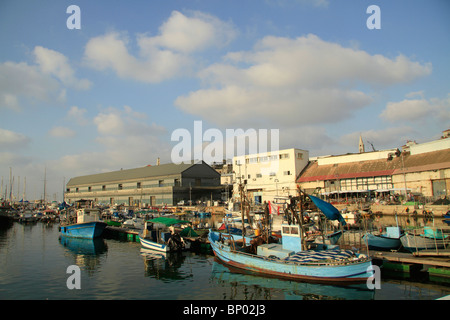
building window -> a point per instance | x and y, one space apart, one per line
259 175
138 185
300 156
287 173
284 156
120 186
161 183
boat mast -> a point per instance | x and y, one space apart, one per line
45 183
241 190
300 218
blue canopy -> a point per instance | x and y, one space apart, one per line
328 210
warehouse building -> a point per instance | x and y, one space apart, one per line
418 170
159 185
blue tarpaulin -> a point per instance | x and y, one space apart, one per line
328 210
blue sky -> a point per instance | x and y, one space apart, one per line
109 95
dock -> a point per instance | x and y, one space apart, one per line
404 257
122 233
434 264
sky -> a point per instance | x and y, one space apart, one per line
110 94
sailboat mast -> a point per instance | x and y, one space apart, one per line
45 182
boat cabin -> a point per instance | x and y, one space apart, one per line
393 232
291 243
88 215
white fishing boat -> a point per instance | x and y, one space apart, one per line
427 238
157 235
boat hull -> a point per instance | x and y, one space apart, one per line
86 230
149 244
351 272
381 242
415 243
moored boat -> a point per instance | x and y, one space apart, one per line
426 239
390 240
291 259
158 236
86 224
288 261
27 216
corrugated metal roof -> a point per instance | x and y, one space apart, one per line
130 174
411 163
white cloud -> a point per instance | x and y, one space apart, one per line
189 34
161 57
287 82
239 106
45 81
78 115
62 132
110 123
126 139
12 140
56 64
22 80
418 110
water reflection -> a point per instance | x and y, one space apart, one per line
164 266
248 286
86 252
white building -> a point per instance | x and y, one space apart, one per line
270 174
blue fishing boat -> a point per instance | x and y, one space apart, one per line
390 240
86 224
288 261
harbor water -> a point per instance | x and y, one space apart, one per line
35 264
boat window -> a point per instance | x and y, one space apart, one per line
286 230
294 230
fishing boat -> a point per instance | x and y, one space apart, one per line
288 262
425 239
86 224
390 240
290 259
158 235
133 223
27 216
